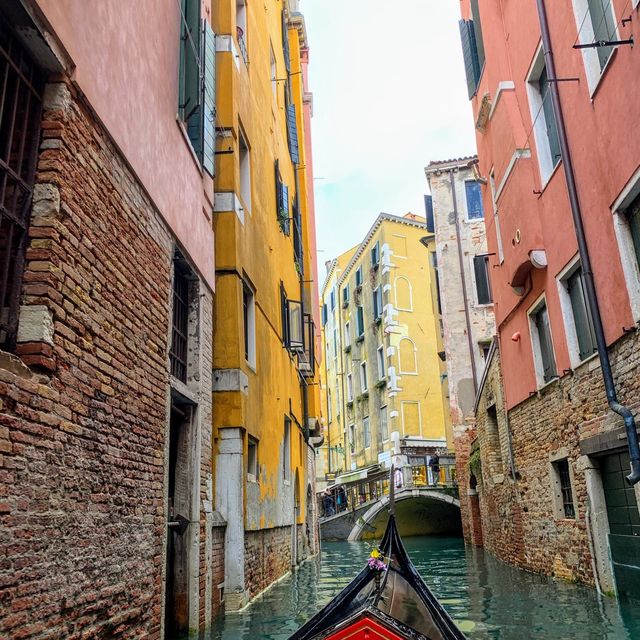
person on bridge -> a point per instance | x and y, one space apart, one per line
434 465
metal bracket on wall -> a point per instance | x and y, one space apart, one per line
603 43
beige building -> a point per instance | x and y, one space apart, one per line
382 376
468 323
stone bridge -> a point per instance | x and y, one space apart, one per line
419 511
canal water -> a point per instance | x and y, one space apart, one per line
488 599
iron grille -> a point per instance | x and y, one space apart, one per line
179 340
21 84
565 487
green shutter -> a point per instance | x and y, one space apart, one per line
477 32
470 54
190 97
581 315
549 117
284 208
292 133
209 112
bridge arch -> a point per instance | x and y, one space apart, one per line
378 510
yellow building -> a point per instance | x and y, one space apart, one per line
382 376
266 396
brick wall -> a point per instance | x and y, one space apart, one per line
268 557
217 604
84 404
518 519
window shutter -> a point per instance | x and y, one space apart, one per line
285 43
470 54
190 98
209 101
292 133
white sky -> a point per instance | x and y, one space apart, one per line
389 96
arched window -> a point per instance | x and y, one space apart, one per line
407 354
404 294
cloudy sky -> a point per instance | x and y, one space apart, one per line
389 96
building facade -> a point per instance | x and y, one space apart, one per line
561 207
266 395
106 524
381 344
464 291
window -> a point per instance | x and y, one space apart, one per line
180 323
325 315
347 335
544 359
249 318
408 361
245 172
596 23
384 428
481 273
377 303
375 255
345 295
632 215
292 322
381 367
360 321
335 343
474 200
496 217
241 28
366 432
252 460
352 438
564 506
286 450
485 347
329 406
332 298
349 387
358 277
338 403
580 333
544 122
472 48
363 377
282 202
197 82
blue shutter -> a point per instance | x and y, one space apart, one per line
209 115
285 44
470 54
428 205
292 133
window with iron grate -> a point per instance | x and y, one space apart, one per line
20 109
180 324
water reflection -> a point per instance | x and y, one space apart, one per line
487 598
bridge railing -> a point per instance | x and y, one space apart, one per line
349 497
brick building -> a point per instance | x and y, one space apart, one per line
107 526
553 87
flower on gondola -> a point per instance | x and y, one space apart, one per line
376 561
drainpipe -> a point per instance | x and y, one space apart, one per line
464 285
592 298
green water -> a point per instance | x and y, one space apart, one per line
486 597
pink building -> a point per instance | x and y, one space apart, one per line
553 453
106 282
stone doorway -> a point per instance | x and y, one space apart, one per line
178 523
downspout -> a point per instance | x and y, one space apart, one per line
464 285
592 298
